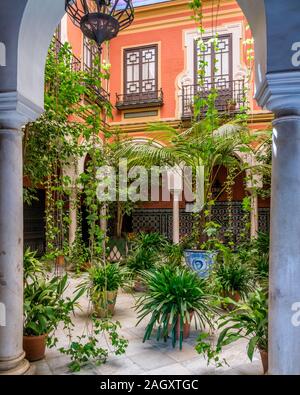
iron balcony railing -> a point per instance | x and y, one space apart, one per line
230 96
75 62
98 92
140 100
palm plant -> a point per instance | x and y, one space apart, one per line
205 143
174 296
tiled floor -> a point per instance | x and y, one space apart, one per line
151 358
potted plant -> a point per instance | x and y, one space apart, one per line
175 296
201 256
144 255
44 308
248 321
209 144
231 278
231 105
79 256
256 253
103 285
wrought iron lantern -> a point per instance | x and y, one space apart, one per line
101 20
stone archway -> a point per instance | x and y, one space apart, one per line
26 30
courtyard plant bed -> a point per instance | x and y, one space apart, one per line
174 298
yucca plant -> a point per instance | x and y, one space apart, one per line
174 295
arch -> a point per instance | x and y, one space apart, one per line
38 25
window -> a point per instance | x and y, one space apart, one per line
140 72
218 60
90 53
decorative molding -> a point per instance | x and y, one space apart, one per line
280 93
16 110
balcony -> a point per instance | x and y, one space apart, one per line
140 100
230 99
75 62
98 93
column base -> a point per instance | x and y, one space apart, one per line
24 368
16 367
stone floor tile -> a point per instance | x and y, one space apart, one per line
119 365
174 369
151 360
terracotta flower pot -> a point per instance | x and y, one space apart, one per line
60 260
104 305
231 107
264 360
186 327
232 295
86 266
139 286
34 347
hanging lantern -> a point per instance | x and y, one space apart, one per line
101 20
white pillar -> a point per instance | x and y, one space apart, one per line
284 335
11 252
176 216
73 216
254 215
103 227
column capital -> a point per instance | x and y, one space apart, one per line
280 93
16 110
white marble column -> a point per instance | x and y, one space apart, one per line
11 251
176 216
103 227
254 215
73 216
284 329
